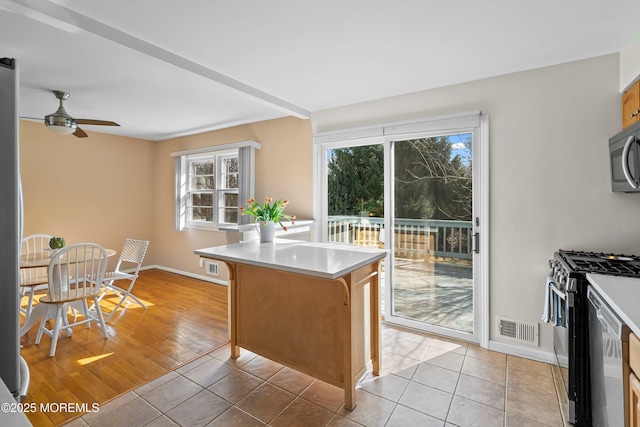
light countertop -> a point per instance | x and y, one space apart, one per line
315 259
622 294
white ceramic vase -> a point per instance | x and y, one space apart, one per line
267 231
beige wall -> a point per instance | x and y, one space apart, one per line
283 170
105 188
96 189
549 170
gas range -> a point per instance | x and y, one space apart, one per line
567 266
568 287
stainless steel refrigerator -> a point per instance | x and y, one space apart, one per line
13 371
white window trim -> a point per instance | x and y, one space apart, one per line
220 190
246 180
465 120
213 148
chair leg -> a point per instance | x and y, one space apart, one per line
43 321
65 319
103 325
85 308
137 300
124 295
29 306
102 295
112 312
56 330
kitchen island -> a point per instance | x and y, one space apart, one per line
310 306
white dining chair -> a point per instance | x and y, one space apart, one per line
32 279
132 256
75 274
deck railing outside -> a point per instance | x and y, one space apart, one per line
413 238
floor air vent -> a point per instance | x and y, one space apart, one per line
518 330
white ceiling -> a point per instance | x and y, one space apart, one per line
166 68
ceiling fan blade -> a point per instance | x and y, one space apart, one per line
95 122
32 118
79 133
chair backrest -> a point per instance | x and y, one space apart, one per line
33 244
76 271
133 251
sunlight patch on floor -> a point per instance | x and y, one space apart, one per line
92 359
110 301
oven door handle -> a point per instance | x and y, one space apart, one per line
605 317
556 290
625 162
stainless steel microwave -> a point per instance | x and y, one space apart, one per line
624 158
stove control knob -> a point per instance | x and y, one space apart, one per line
563 277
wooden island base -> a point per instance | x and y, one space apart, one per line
310 306
326 328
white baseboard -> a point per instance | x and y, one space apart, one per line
523 351
186 273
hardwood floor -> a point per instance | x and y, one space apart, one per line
185 318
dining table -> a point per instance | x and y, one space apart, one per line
38 260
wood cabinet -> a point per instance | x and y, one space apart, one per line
328 329
634 394
631 105
634 384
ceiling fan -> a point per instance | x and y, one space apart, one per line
61 122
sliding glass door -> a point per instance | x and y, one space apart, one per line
355 196
432 187
417 194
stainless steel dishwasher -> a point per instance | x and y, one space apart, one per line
606 334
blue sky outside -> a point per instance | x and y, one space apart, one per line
459 147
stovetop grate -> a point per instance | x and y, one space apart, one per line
601 263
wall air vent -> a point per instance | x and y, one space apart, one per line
212 268
518 330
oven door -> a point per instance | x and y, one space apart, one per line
563 347
571 345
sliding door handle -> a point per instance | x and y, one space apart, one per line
475 238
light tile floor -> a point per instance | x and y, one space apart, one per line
426 381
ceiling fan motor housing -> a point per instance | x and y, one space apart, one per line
61 121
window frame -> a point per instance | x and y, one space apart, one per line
244 152
221 189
